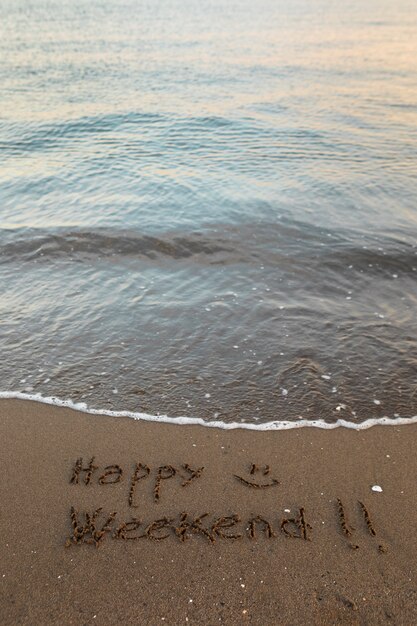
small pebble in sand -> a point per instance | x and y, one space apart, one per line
376 488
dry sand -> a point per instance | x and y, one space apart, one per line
299 575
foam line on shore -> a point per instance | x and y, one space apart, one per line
273 425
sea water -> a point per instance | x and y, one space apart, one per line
208 209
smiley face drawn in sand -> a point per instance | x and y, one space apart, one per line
263 471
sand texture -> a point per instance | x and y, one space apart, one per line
114 521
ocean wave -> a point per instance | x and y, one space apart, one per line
86 244
196 421
296 243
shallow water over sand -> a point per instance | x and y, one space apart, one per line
209 210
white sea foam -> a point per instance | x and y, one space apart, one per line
274 425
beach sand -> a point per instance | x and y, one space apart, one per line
329 559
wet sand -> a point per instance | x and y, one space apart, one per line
294 533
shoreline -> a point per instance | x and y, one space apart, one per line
203 525
197 421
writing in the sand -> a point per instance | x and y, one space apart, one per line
86 472
94 526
